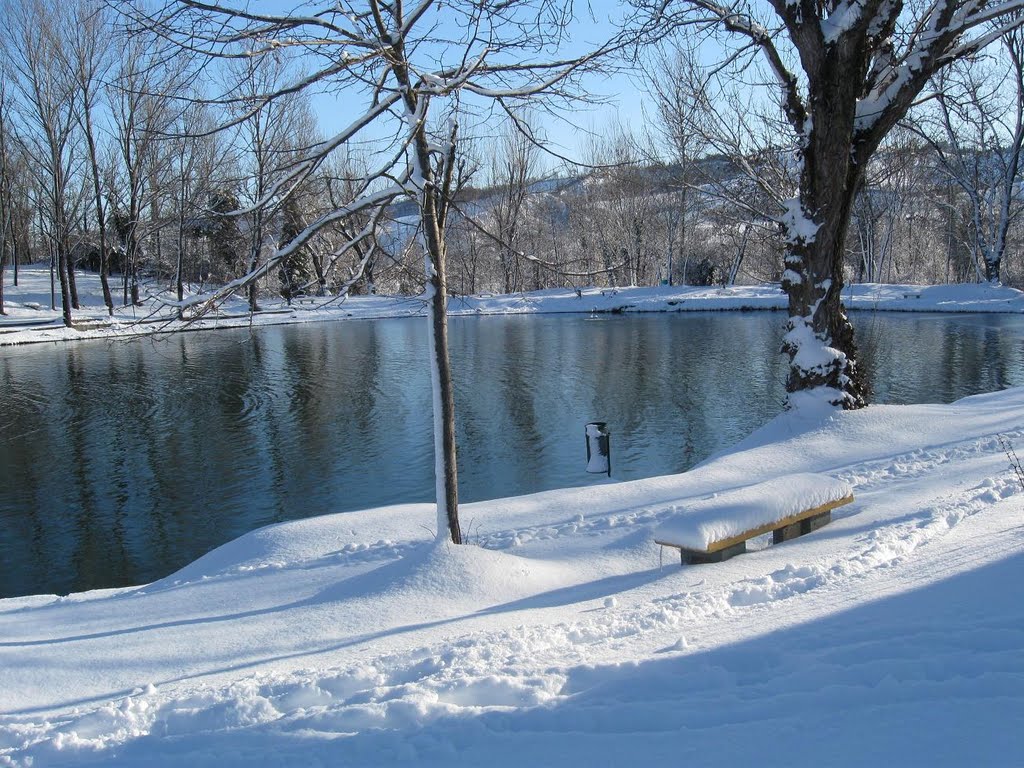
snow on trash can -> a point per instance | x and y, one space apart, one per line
599 454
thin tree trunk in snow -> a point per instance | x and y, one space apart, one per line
443 401
443 398
432 218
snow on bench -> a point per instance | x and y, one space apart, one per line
717 528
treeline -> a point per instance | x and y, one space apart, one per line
709 221
115 158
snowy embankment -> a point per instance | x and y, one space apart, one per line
29 318
892 636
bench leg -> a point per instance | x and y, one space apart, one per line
816 522
787 532
801 528
700 558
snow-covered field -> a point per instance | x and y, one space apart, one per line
29 318
893 636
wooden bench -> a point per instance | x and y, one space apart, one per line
717 527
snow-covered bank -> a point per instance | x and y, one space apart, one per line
30 320
892 635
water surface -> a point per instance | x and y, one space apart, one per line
122 461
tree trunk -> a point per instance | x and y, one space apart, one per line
132 247
65 288
992 269
108 298
179 281
741 251
445 459
100 218
445 466
69 265
254 253
321 280
819 337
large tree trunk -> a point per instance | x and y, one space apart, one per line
819 337
992 268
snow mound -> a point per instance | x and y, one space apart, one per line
366 535
483 576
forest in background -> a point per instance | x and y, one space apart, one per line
115 158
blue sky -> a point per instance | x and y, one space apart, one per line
569 131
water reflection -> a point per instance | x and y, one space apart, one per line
121 462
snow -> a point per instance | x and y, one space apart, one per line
30 301
723 516
811 354
891 636
800 226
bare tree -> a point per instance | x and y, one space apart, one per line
143 111
626 206
672 78
6 191
976 130
514 164
735 166
860 65
883 244
271 133
342 177
194 153
90 64
411 75
35 64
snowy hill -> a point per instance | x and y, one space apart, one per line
558 637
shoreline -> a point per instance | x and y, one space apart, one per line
16 330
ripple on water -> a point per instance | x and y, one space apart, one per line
163 450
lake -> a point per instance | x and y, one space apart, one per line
123 461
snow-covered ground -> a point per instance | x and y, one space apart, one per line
30 319
893 636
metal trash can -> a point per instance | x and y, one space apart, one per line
599 453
